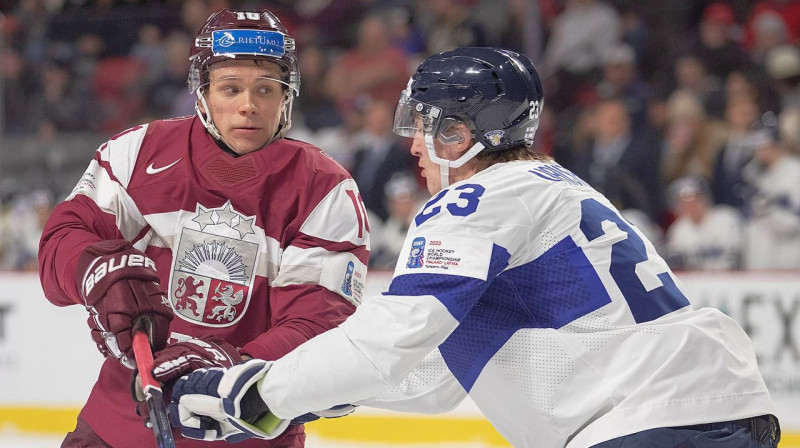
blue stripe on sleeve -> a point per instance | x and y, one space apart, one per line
549 292
458 293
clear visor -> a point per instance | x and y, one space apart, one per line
260 83
414 118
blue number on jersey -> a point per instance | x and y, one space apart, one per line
625 255
469 192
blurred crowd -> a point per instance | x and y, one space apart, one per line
685 114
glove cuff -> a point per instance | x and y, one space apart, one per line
247 381
108 261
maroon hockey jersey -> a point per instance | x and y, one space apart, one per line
265 250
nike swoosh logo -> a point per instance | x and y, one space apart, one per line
153 170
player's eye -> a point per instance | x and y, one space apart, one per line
229 89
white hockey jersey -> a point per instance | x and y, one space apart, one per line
524 288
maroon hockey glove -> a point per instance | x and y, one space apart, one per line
119 284
180 358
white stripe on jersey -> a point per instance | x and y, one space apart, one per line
165 225
122 153
318 266
350 222
111 198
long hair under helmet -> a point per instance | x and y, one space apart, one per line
245 35
496 93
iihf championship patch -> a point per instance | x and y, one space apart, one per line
347 283
447 254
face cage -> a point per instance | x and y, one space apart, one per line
413 118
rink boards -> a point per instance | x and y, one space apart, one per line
48 362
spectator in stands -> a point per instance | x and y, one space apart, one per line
773 228
789 12
783 67
452 26
406 34
403 197
691 76
314 109
580 36
521 31
621 80
703 236
727 185
637 32
167 95
769 31
380 154
327 22
194 14
374 68
342 140
150 50
31 39
17 86
621 162
22 229
692 139
789 128
714 43
751 82
58 103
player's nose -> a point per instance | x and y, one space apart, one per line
417 146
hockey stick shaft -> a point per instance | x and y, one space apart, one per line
154 398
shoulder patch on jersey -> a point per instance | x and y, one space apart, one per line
445 254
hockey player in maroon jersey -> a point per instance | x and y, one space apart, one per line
234 241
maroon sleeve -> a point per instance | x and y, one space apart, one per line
303 311
298 312
73 225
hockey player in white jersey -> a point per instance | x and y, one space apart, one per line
518 285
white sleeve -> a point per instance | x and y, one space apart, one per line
372 351
428 389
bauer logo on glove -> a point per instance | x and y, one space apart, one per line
109 266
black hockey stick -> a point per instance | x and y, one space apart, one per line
154 398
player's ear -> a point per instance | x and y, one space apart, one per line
457 134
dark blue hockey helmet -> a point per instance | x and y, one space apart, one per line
496 93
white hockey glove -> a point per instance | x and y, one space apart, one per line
196 408
224 404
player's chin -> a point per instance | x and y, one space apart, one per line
244 146
433 186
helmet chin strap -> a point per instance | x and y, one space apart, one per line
206 119
444 164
